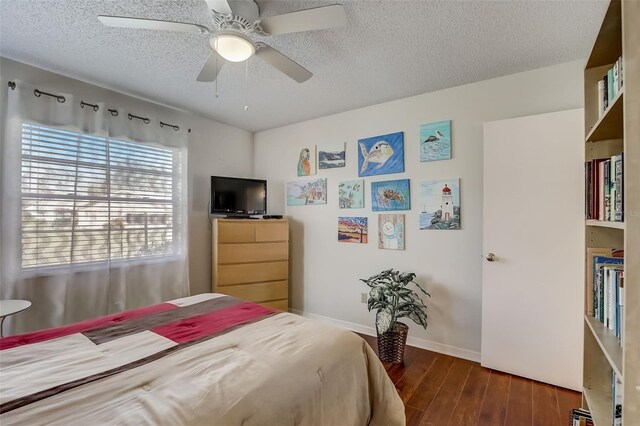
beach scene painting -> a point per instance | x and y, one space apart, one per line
381 155
440 204
391 231
307 161
331 156
306 192
351 194
435 141
353 230
390 195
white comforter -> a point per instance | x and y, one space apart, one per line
281 369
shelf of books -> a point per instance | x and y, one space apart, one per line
611 394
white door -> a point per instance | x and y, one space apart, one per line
532 293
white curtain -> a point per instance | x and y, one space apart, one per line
94 216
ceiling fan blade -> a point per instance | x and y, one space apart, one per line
151 24
319 18
211 68
283 63
220 6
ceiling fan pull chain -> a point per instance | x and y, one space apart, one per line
246 84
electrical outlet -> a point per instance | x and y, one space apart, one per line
363 297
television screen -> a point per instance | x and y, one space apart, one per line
238 196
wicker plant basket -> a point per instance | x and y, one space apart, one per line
392 343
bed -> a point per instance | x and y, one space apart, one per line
206 359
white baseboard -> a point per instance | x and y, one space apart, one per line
411 341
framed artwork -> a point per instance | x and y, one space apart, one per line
331 156
391 231
440 204
306 192
351 194
381 155
390 195
435 141
353 230
307 161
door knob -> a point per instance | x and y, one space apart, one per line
491 257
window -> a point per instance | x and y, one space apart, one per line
91 199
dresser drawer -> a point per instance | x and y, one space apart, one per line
272 231
259 292
252 252
236 232
282 305
252 273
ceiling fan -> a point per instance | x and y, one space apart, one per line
234 22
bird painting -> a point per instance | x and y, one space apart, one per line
436 137
306 163
435 141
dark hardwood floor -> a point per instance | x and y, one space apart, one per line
441 390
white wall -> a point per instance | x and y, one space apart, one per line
214 149
324 273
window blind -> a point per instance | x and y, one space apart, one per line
92 199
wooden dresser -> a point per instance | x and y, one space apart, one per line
251 260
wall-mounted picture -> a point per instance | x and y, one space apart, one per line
351 194
381 155
390 195
331 156
391 231
307 161
440 204
305 192
435 141
353 230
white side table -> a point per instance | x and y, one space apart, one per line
10 307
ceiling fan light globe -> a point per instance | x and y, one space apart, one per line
233 47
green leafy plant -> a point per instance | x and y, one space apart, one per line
391 297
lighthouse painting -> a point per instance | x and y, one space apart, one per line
440 204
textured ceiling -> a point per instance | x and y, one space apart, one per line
390 49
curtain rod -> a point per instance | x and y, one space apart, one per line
38 93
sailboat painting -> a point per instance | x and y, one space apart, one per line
331 156
440 204
435 141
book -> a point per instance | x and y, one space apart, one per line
611 294
600 181
612 189
606 184
610 91
601 98
616 78
588 190
580 417
620 72
604 189
605 92
616 398
591 253
599 284
619 183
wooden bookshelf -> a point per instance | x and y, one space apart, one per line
608 343
614 131
605 224
609 125
599 403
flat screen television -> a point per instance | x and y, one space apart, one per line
238 197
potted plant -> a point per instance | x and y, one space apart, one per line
392 298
